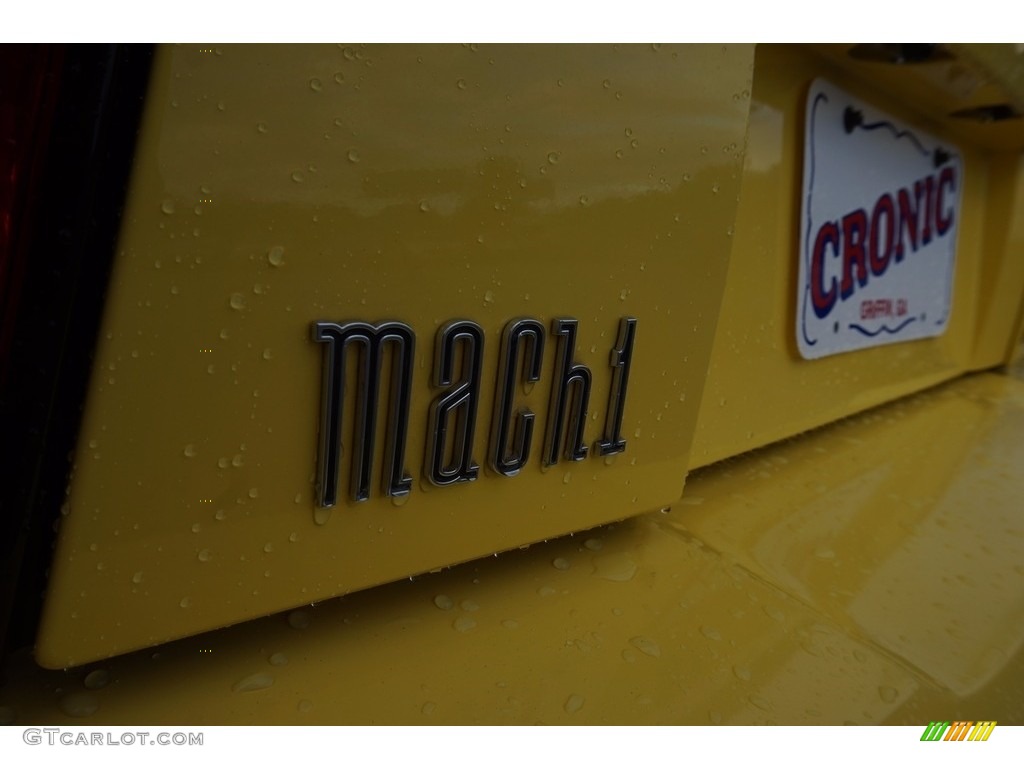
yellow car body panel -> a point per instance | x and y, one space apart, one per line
278 187
866 572
810 582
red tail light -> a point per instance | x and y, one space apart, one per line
28 89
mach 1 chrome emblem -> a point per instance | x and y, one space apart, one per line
452 418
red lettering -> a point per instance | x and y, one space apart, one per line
908 219
823 300
855 230
880 260
944 221
929 187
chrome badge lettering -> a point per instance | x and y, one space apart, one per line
452 419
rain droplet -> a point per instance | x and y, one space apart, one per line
190 450
510 624
567 478
96 679
594 545
167 206
711 633
253 493
574 703
236 460
298 619
888 694
489 297
237 301
185 602
276 256
742 673
196 527
615 567
278 660
460 84
424 206
760 702
464 623
137 577
606 84
339 77
321 515
261 127
584 200
315 84
553 158
267 354
256 682
353 156
298 177
444 602
204 555
304 706
561 563
645 645
78 704
469 605
219 514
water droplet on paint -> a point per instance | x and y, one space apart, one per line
78 704
573 704
444 602
256 682
645 645
464 623
276 256
298 619
616 567
278 659
96 679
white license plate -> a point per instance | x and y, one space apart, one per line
878 227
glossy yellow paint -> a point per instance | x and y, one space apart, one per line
277 186
756 331
867 572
